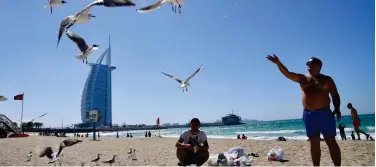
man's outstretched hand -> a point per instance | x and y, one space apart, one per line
273 59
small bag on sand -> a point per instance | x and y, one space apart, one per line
243 161
213 160
275 154
239 150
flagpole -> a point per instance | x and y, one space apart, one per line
22 110
158 124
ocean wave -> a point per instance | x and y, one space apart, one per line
298 137
346 130
272 132
250 137
370 128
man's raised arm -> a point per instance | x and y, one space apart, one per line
290 75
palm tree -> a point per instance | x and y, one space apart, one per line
29 125
38 124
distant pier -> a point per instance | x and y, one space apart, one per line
113 129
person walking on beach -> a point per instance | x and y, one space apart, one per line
192 146
317 115
341 128
356 121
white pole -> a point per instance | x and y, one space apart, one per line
22 109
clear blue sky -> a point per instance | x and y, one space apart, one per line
230 41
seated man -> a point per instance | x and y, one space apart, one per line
192 146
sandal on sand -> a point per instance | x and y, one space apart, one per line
254 154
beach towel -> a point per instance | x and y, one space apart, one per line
234 157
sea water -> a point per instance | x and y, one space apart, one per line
292 129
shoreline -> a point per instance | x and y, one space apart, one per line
265 136
123 136
161 151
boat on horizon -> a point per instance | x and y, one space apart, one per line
232 119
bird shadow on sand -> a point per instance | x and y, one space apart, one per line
284 160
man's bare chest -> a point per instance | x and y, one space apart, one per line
314 84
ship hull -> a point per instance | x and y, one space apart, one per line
233 123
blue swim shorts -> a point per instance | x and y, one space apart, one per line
319 121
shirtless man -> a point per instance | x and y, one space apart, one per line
317 116
356 121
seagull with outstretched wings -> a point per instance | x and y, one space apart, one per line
55 156
184 84
82 46
174 4
54 3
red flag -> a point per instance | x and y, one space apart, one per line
158 121
18 97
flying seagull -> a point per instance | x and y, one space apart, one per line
50 154
184 84
3 98
55 156
173 3
83 16
54 3
81 44
80 17
112 3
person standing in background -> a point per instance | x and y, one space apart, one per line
356 121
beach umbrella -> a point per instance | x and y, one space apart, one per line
2 98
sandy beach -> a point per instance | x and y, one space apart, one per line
161 151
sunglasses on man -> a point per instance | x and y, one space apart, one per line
313 62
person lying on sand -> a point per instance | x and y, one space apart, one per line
192 146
